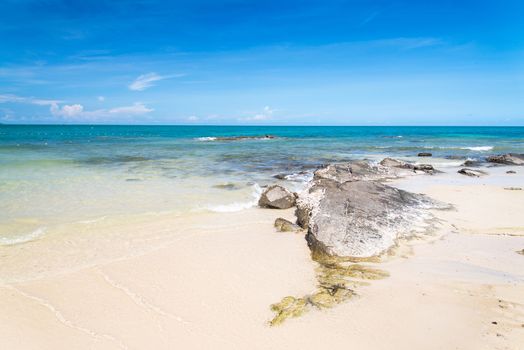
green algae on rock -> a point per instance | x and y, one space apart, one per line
337 281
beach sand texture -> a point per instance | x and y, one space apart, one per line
208 281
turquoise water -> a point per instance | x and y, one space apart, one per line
52 175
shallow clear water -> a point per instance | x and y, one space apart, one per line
52 175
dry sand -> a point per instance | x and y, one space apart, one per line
206 282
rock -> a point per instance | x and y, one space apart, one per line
284 225
242 137
353 171
513 188
277 197
455 157
471 163
471 172
395 163
507 159
511 172
427 168
358 218
424 154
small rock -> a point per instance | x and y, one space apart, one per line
395 163
284 225
277 197
511 172
513 188
428 168
521 252
424 154
471 172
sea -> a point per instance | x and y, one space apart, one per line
54 175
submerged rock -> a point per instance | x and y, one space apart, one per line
284 225
507 159
277 197
358 218
471 172
425 154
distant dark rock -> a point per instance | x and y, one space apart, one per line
471 172
511 172
277 197
513 188
455 157
284 225
425 154
507 159
238 138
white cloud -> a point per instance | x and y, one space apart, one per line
67 110
145 81
136 108
192 118
101 98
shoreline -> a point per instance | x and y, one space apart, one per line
209 282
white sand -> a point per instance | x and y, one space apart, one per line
206 282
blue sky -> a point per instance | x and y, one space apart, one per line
282 62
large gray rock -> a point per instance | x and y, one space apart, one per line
277 197
507 159
358 218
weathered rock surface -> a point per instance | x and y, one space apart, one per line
511 172
357 218
507 159
471 172
395 163
424 154
277 197
355 171
284 225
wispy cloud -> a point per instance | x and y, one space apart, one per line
136 108
145 81
29 100
266 114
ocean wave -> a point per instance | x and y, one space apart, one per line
206 138
238 206
39 232
479 148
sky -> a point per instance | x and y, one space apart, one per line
297 62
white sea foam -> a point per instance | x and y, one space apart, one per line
479 148
206 138
39 232
238 206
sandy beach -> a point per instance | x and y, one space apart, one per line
208 281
